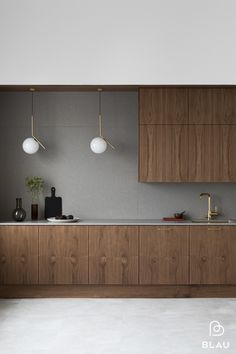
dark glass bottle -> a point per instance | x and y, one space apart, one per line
19 214
34 211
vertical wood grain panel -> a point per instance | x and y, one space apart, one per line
164 255
228 162
212 255
63 255
163 153
163 105
113 255
18 254
212 153
212 106
205 157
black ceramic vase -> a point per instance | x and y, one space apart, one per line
19 214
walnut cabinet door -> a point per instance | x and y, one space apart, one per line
164 255
212 105
18 255
63 254
212 153
113 255
163 153
213 255
166 105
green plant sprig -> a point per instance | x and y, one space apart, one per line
35 187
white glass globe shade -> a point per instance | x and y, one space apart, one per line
98 145
30 146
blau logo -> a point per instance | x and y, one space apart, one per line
215 330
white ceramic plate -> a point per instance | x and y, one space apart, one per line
62 221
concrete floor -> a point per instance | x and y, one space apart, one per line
113 326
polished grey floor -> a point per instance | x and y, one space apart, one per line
113 326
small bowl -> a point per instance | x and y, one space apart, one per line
179 215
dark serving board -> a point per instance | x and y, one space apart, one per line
53 205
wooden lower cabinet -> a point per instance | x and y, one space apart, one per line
63 254
164 255
212 255
118 255
113 255
18 255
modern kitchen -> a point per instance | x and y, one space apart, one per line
117 207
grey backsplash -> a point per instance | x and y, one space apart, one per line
92 186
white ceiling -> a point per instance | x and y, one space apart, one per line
117 42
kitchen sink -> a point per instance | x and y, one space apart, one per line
220 221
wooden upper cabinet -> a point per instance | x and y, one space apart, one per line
187 134
164 255
163 153
212 153
19 255
212 255
163 105
212 106
113 255
63 255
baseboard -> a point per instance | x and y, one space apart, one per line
117 291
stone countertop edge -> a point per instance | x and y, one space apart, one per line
114 222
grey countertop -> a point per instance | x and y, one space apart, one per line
119 222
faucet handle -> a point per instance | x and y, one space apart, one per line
215 212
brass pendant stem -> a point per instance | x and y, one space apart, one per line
100 119
100 125
32 125
32 119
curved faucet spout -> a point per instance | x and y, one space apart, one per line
206 194
210 213
209 204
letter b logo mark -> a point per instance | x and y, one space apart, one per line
216 329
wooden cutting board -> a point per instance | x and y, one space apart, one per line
173 219
53 205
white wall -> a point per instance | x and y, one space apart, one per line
92 186
117 42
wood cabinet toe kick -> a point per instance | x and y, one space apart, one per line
118 261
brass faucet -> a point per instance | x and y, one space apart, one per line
210 213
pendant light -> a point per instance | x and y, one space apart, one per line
32 144
99 144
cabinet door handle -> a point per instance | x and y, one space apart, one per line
164 229
214 229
